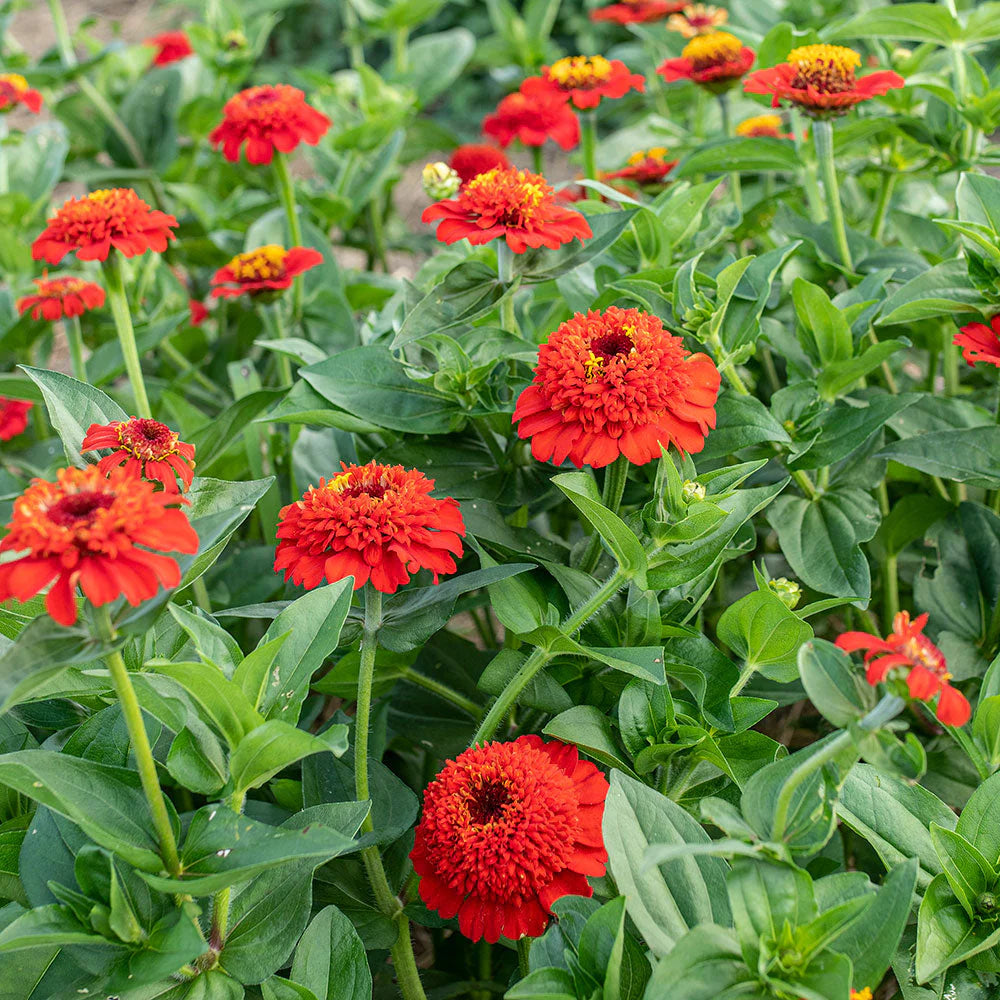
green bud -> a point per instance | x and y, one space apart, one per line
692 492
233 40
987 905
440 181
788 591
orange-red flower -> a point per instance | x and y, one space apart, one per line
14 90
145 448
980 342
512 204
373 522
637 11
473 159
198 312
616 383
93 224
171 46
533 119
507 829
821 80
697 19
763 127
715 61
267 119
649 166
908 649
106 533
584 80
13 417
265 269
58 297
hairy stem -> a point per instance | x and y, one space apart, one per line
823 139
126 334
286 191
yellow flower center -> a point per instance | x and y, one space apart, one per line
828 69
713 49
339 483
760 125
580 71
263 264
865 994
657 153
14 80
101 195
610 345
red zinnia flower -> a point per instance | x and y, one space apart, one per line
637 11
762 127
980 342
146 448
13 417
198 311
715 61
371 521
93 224
14 90
907 648
170 47
58 297
616 383
649 166
507 829
697 19
584 80
534 118
87 529
267 119
473 159
821 80
265 269
513 204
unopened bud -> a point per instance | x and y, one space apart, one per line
788 591
440 181
233 40
692 492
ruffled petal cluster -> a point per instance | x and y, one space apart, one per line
980 343
58 297
647 166
171 46
616 383
473 159
510 204
715 61
106 533
585 80
14 91
114 218
266 269
266 119
637 11
373 522
13 417
698 19
533 119
507 829
907 649
822 80
145 448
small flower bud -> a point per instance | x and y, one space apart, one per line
987 905
692 492
234 40
440 181
788 591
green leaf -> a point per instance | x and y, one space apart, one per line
839 376
979 822
149 112
47 925
276 744
956 455
837 688
543 984
828 334
226 428
212 641
723 155
437 60
706 964
664 901
909 519
969 874
922 22
761 630
544 264
944 289
742 421
590 729
330 959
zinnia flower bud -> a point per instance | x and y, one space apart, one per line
788 591
440 181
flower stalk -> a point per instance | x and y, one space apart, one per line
823 140
126 333
588 144
615 478
286 192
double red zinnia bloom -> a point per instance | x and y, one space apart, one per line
980 342
533 119
267 119
266 269
512 204
616 383
93 224
715 61
637 11
507 829
145 448
373 522
95 531
171 46
473 159
821 80
584 80
13 417
908 649
649 166
14 90
58 297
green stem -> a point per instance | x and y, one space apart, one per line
400 51
809 182
200 593
805 484
284 361
890 567
377 230
886 188
443 691
615 477
523 950
139 738
734 177
678 787
588 143
4 174
221 900
74 339
823 140
351 26
126 334
539 656
888 708
505 273
286 191
404 963
177 358
538 159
